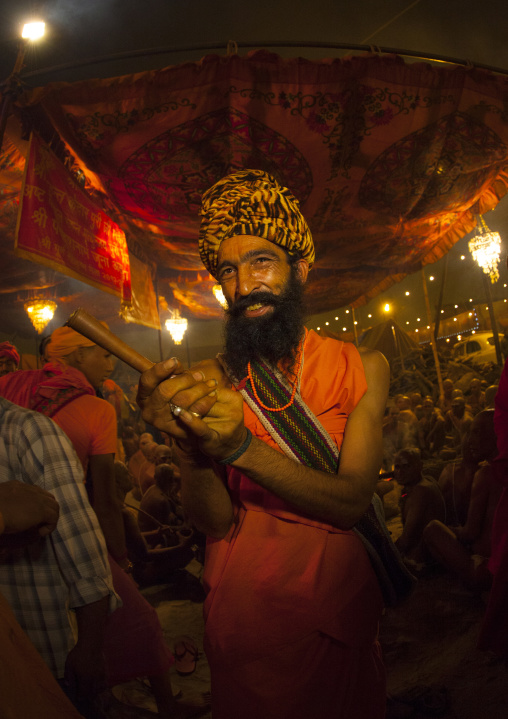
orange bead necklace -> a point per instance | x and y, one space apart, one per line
294 385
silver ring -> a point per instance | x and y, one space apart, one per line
175 409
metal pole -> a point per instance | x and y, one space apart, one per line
440 301
432 337
493 322
354 325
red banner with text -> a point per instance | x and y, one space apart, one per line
60 226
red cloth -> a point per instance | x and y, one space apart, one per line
133 645
494 632
27 687
293 603
30 387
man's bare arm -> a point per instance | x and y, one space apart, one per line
26 506
338 499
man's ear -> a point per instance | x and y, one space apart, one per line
302 270
79 355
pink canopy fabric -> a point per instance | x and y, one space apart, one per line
390 161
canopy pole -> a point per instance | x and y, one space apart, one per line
354 325
440 301
493 322
432 337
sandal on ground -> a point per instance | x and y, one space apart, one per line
186 655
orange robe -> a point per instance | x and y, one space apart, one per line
293 604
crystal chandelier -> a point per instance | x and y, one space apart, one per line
219 296
40 312
176 326
485 247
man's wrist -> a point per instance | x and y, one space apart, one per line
241 449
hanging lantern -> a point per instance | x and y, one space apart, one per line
219 296
176 326
40 312
485 247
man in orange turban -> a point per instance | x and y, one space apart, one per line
293 602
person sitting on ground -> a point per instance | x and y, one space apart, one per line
457 423
409 417
420 502
157 553
431 429
130 441
445 400
456 478
9 358
490 396
395 436
476 397
161 504
416 404
465 549
164 455
139 458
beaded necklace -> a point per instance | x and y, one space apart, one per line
294 385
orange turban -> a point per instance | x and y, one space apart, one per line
252 202
9 350
64 341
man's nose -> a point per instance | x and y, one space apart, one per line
246 282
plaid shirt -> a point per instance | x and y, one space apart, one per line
67 569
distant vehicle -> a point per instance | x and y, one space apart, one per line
479 348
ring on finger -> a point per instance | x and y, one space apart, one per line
177 410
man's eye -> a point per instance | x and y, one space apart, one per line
225 272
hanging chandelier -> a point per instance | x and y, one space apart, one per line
485 247
219 296
40 312
176 326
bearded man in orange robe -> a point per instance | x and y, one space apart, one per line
293 603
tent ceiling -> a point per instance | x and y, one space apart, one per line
391 161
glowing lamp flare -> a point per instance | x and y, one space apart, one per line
486 249
33 30
219 296
40 312
176 326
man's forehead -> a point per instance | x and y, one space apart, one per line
239 246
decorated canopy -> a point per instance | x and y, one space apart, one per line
391 161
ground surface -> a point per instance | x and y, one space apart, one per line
428 641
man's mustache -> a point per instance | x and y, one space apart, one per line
264 298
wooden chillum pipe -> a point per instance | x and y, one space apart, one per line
90 327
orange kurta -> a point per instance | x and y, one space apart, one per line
293 604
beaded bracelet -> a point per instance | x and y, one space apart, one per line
239 451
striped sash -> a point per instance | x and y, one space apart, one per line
302 437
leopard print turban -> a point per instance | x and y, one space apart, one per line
252 202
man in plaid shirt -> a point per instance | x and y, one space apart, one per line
43 577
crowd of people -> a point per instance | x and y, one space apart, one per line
278 455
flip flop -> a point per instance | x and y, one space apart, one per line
186 655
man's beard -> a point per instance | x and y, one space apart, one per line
272 337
